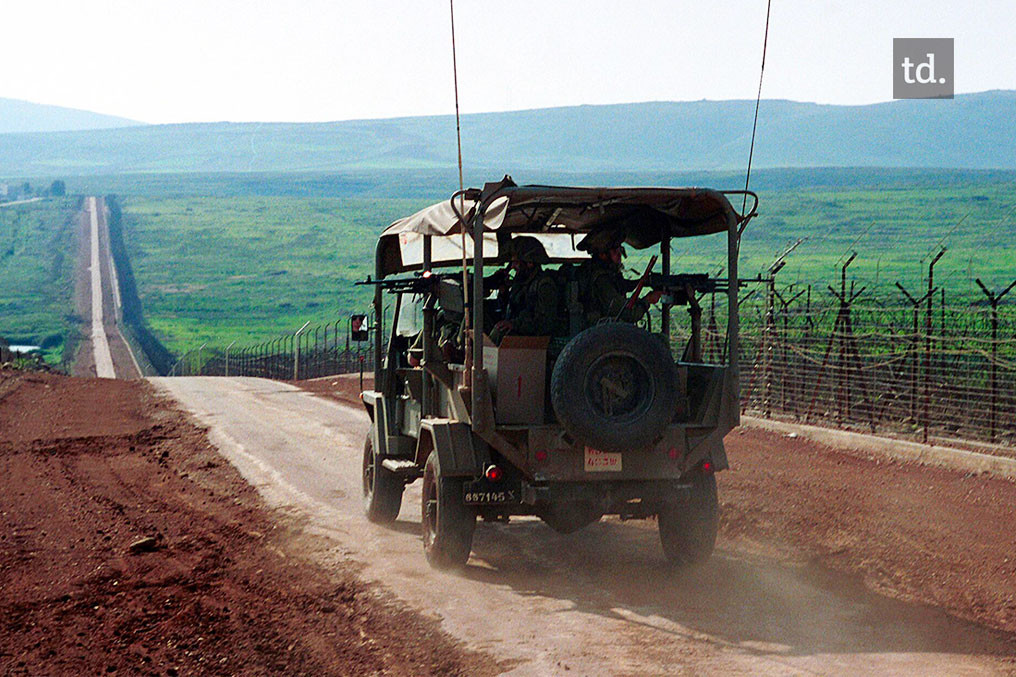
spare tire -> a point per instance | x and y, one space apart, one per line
614 387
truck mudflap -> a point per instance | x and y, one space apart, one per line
462 453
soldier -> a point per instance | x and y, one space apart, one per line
603 290
496 290
533 294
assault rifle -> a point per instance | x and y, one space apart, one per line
643 279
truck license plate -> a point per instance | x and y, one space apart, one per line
501 497
602 461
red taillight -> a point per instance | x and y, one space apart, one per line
707 467
673 453
540 456
493 473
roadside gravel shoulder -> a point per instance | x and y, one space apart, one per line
905 530
130 547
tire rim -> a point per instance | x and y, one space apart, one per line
368 472
430 509
619 388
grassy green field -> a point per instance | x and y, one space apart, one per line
247 266
250 267
36 274
438 183
267 253
895 233
221 269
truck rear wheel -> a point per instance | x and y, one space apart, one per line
448 523
382 489
688 530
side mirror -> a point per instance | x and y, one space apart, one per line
358 328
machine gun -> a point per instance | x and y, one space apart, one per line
419 283
445 288
677 287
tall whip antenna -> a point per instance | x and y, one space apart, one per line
462 197
758 100
455 78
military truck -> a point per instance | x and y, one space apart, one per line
602 421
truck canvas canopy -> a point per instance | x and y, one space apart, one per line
558 216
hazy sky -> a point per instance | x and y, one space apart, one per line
303 60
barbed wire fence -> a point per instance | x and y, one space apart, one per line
922 365
926 368
310 352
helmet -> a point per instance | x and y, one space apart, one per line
601 241
528 249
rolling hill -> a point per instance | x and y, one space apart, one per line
24 116
974 131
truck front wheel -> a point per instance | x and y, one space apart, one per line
382 489
448 523
688 530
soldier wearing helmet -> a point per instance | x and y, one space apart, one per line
533 294
603 290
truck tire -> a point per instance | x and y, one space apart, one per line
614 387
382 489
688 530
448 523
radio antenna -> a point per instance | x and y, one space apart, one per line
462 197
455 79
758 100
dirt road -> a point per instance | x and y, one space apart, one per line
597 602
20 202
103 351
